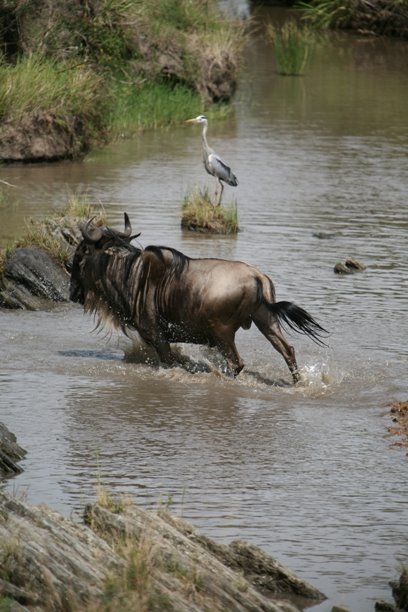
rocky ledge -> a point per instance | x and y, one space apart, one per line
10 453
127 558
35 277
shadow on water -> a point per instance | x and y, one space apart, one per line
91 354
185 362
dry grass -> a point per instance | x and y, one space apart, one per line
399 412
47 234
129 587
199 214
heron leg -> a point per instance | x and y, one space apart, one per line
218 194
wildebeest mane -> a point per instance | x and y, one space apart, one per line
123 276
106 295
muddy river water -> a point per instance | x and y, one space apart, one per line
308 473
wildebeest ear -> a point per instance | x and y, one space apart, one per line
91 233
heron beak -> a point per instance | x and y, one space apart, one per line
191 120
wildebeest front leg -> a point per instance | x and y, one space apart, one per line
165 354
162 347
270 328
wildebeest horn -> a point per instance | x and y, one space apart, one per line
128 229
128 226
91 234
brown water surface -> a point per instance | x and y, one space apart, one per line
308 473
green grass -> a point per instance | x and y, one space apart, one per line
199 214
292 45
328 13
182 15
151 105
36 84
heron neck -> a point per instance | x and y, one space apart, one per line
204 136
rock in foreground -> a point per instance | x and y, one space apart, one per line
10 453
127 558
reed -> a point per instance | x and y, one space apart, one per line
329 13
199 214
292 45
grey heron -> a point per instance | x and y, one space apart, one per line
213 163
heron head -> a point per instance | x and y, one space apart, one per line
199 119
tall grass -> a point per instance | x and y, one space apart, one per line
329 13
182 15
151 105
292 44
37 84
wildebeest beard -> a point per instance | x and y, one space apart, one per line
168 297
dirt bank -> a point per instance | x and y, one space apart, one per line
399 415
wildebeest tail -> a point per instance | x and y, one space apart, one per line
298 320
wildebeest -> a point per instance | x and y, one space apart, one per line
168 297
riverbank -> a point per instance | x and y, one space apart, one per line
116 555
119 556
399 415
75 76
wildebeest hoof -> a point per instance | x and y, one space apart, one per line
348 266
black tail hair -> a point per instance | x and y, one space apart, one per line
298 320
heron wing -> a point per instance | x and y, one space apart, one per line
217 167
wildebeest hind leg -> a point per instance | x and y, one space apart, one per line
272 331
228 349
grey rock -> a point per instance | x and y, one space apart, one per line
32 277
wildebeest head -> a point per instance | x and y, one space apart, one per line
97 240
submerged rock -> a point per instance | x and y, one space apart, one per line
348 266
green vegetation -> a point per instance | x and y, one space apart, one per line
35 84
292 44
385 17
199 214
151 105
328 13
